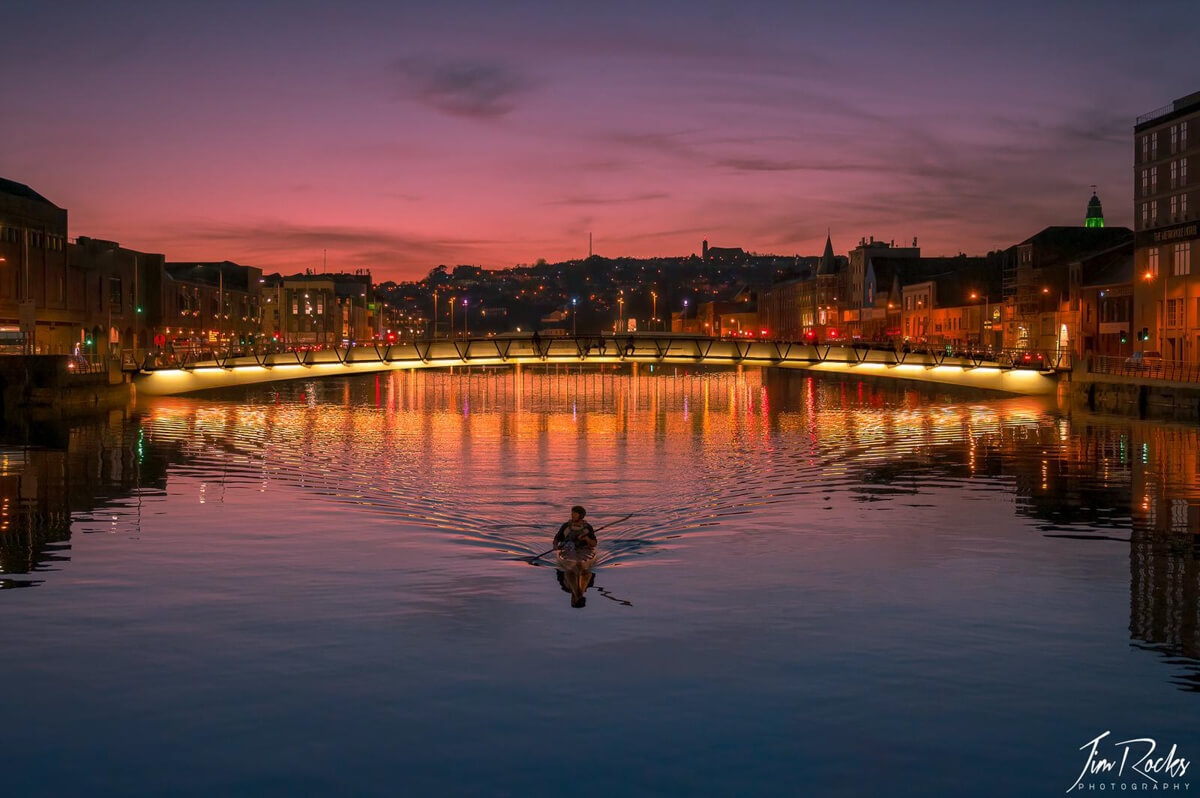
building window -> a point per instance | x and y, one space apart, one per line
114 293
1183 205
1183 258
1145 182
1145 148
1182 172
1174 139
1174 208
1153 212
1153 179
1174 174
1152 261
1145 214
1183 135
1154 146
1174 312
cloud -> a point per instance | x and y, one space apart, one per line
472 89
585 201
272 244
758 164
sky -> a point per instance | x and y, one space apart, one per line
397 136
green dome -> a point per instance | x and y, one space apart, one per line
1095 213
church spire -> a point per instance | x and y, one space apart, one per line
828 264
1095 212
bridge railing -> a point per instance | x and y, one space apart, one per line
1148 369
636 345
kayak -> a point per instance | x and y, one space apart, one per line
571 557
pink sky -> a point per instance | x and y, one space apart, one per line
278 134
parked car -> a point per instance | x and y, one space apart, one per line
1150 360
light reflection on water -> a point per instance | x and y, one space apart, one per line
789 559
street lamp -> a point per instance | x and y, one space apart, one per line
985 323
620 313
654 309
465 316
452 315
574 303
683 322
435 313
1162 321
1058 321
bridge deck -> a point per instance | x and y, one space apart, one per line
1022 375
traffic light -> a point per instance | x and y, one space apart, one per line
1124 337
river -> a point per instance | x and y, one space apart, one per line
805 586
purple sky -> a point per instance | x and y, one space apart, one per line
398 136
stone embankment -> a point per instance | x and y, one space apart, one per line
1143 394
57 385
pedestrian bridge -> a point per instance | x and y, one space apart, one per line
1020 373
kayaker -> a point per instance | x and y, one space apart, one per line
576 531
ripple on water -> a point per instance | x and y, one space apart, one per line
492 462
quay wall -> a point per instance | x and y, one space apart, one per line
1144 397
57 385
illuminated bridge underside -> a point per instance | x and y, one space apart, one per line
644 349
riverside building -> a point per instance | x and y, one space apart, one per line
1166 145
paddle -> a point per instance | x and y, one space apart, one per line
596 529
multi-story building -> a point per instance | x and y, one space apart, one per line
806 307
38 308
1042 283
60 297
311 314
357 320
860 316
1166 294
121 293
1106 303
211 305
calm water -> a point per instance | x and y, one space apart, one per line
805 588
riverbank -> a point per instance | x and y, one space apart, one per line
1144 396
50 386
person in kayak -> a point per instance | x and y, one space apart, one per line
577 532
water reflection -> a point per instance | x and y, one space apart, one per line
62 476
487 460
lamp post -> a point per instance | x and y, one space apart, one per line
654 309
356 328
465 316
1058 321
985 323
1162 321
683 322
620 313
452 316
574 304
435 313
